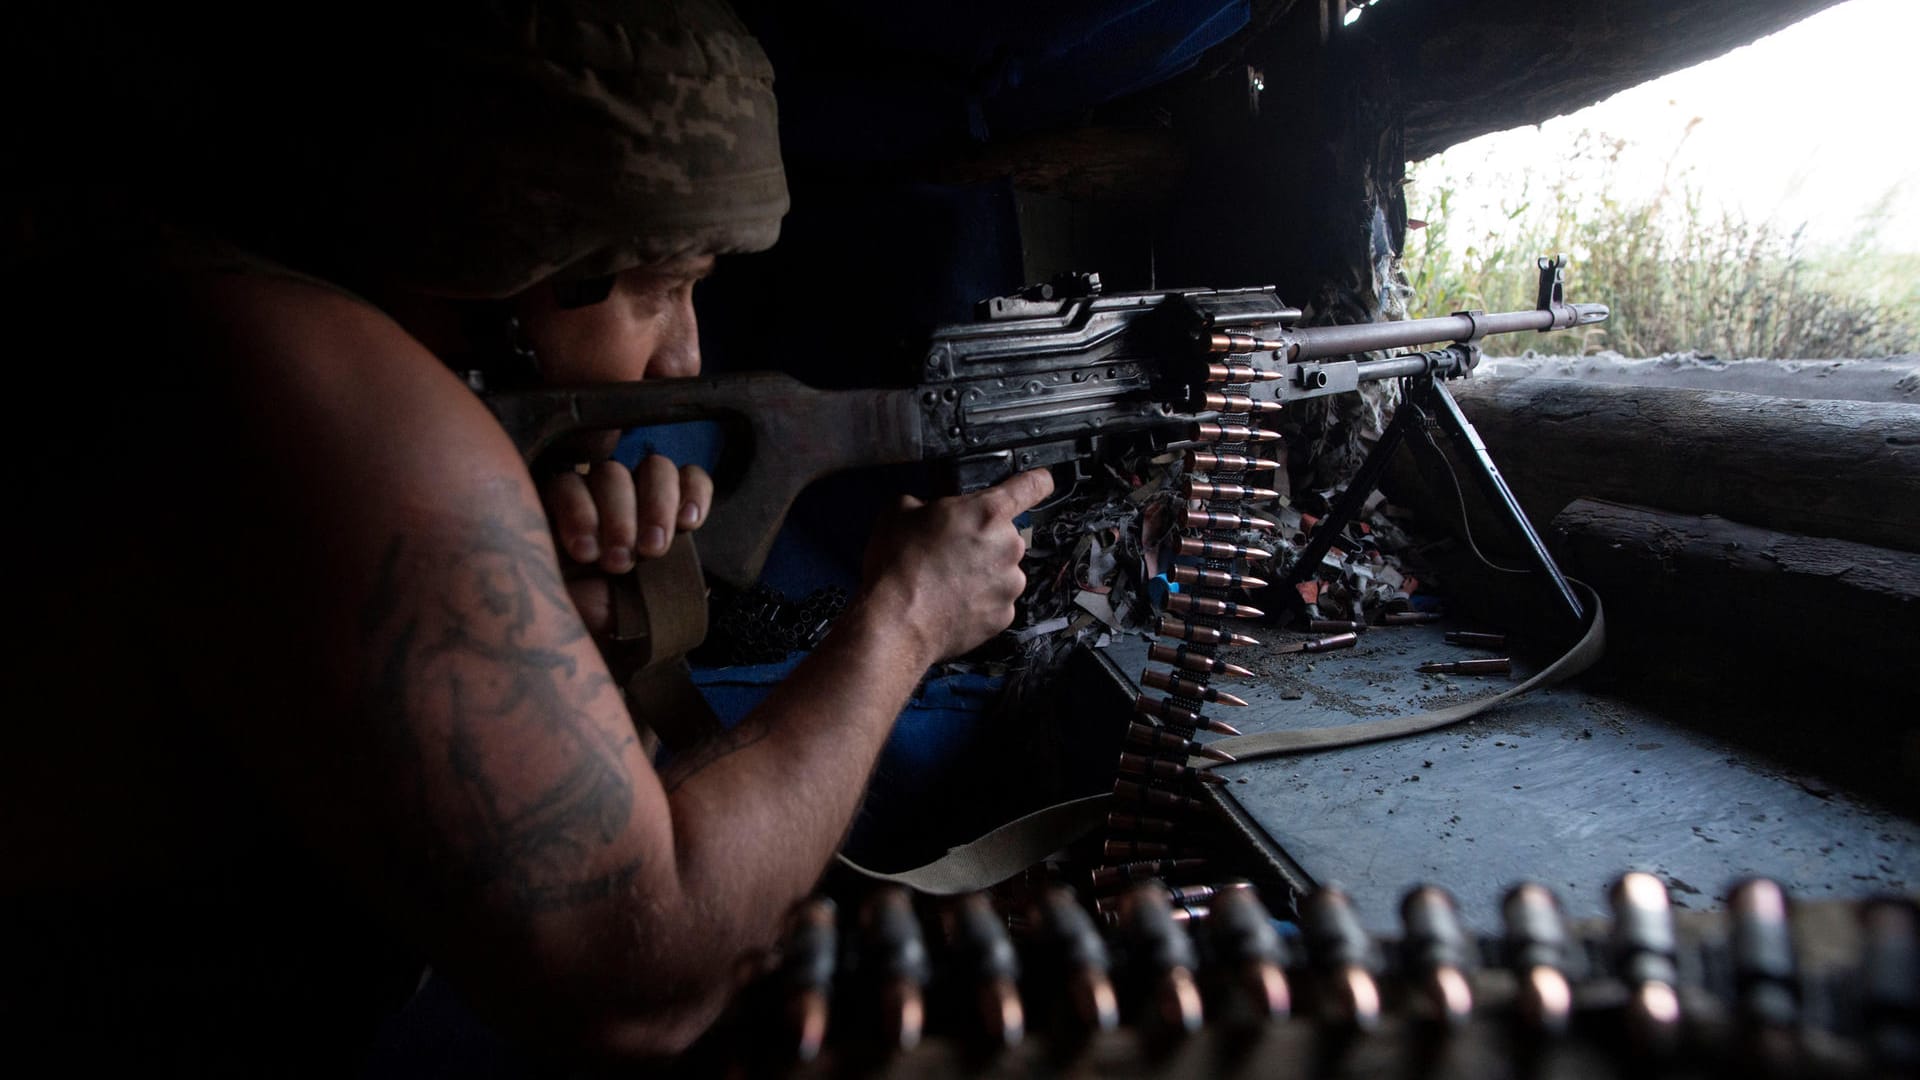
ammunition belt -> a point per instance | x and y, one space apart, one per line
1203 981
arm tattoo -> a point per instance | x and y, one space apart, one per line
514 786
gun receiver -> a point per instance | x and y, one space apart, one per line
1039 380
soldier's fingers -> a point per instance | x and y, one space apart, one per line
696 496
570 510
612 488
656 484
1018 493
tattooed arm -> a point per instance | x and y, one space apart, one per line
460 749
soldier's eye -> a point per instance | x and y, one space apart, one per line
582 293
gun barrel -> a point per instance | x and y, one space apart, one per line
1319 342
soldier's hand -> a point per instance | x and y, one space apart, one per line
610 518
954 564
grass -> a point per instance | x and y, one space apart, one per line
1677 275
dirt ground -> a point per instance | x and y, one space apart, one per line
1895 378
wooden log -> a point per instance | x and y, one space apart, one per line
1746 607
1849 470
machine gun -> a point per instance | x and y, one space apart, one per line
1039 380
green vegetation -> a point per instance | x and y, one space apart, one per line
1676 276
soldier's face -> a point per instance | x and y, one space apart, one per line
644 328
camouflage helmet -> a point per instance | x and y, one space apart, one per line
514 142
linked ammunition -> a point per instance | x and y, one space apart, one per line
1072 945
809 951
1765 980
1334 626
1217 549
1437 955
1164 741
1200 461
1213 579
1154 798
1536 939
1477 641
1162 959
1130 850
1890 982
1206 431
1241 373
1235 405
1233 342
1188 688
1248 959
1200 894
1168 626
894 956
1208 519
1109 877
1342 958
1644 946
1493 665
982 952
1174 714
1141 765
1179 657
1183 913
1122 822
1409 618
1187 603
1200 489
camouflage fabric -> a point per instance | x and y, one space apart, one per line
567 138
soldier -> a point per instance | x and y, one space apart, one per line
311 678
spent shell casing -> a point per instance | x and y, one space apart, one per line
1172 742
1201 461
1409 618
1478 641
1142 765
1122 822
1207 431
1233 342
1211 519
1320 645
1181 658
1492 665
1213 579
1217 549
1334 626
1187 603
1168 626
1156 799
1241 373
1108 877
1200 489
1236 405
1174 684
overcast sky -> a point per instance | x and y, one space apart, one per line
1814 124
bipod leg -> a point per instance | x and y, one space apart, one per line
1347 506
1467 442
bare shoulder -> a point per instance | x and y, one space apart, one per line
492 771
